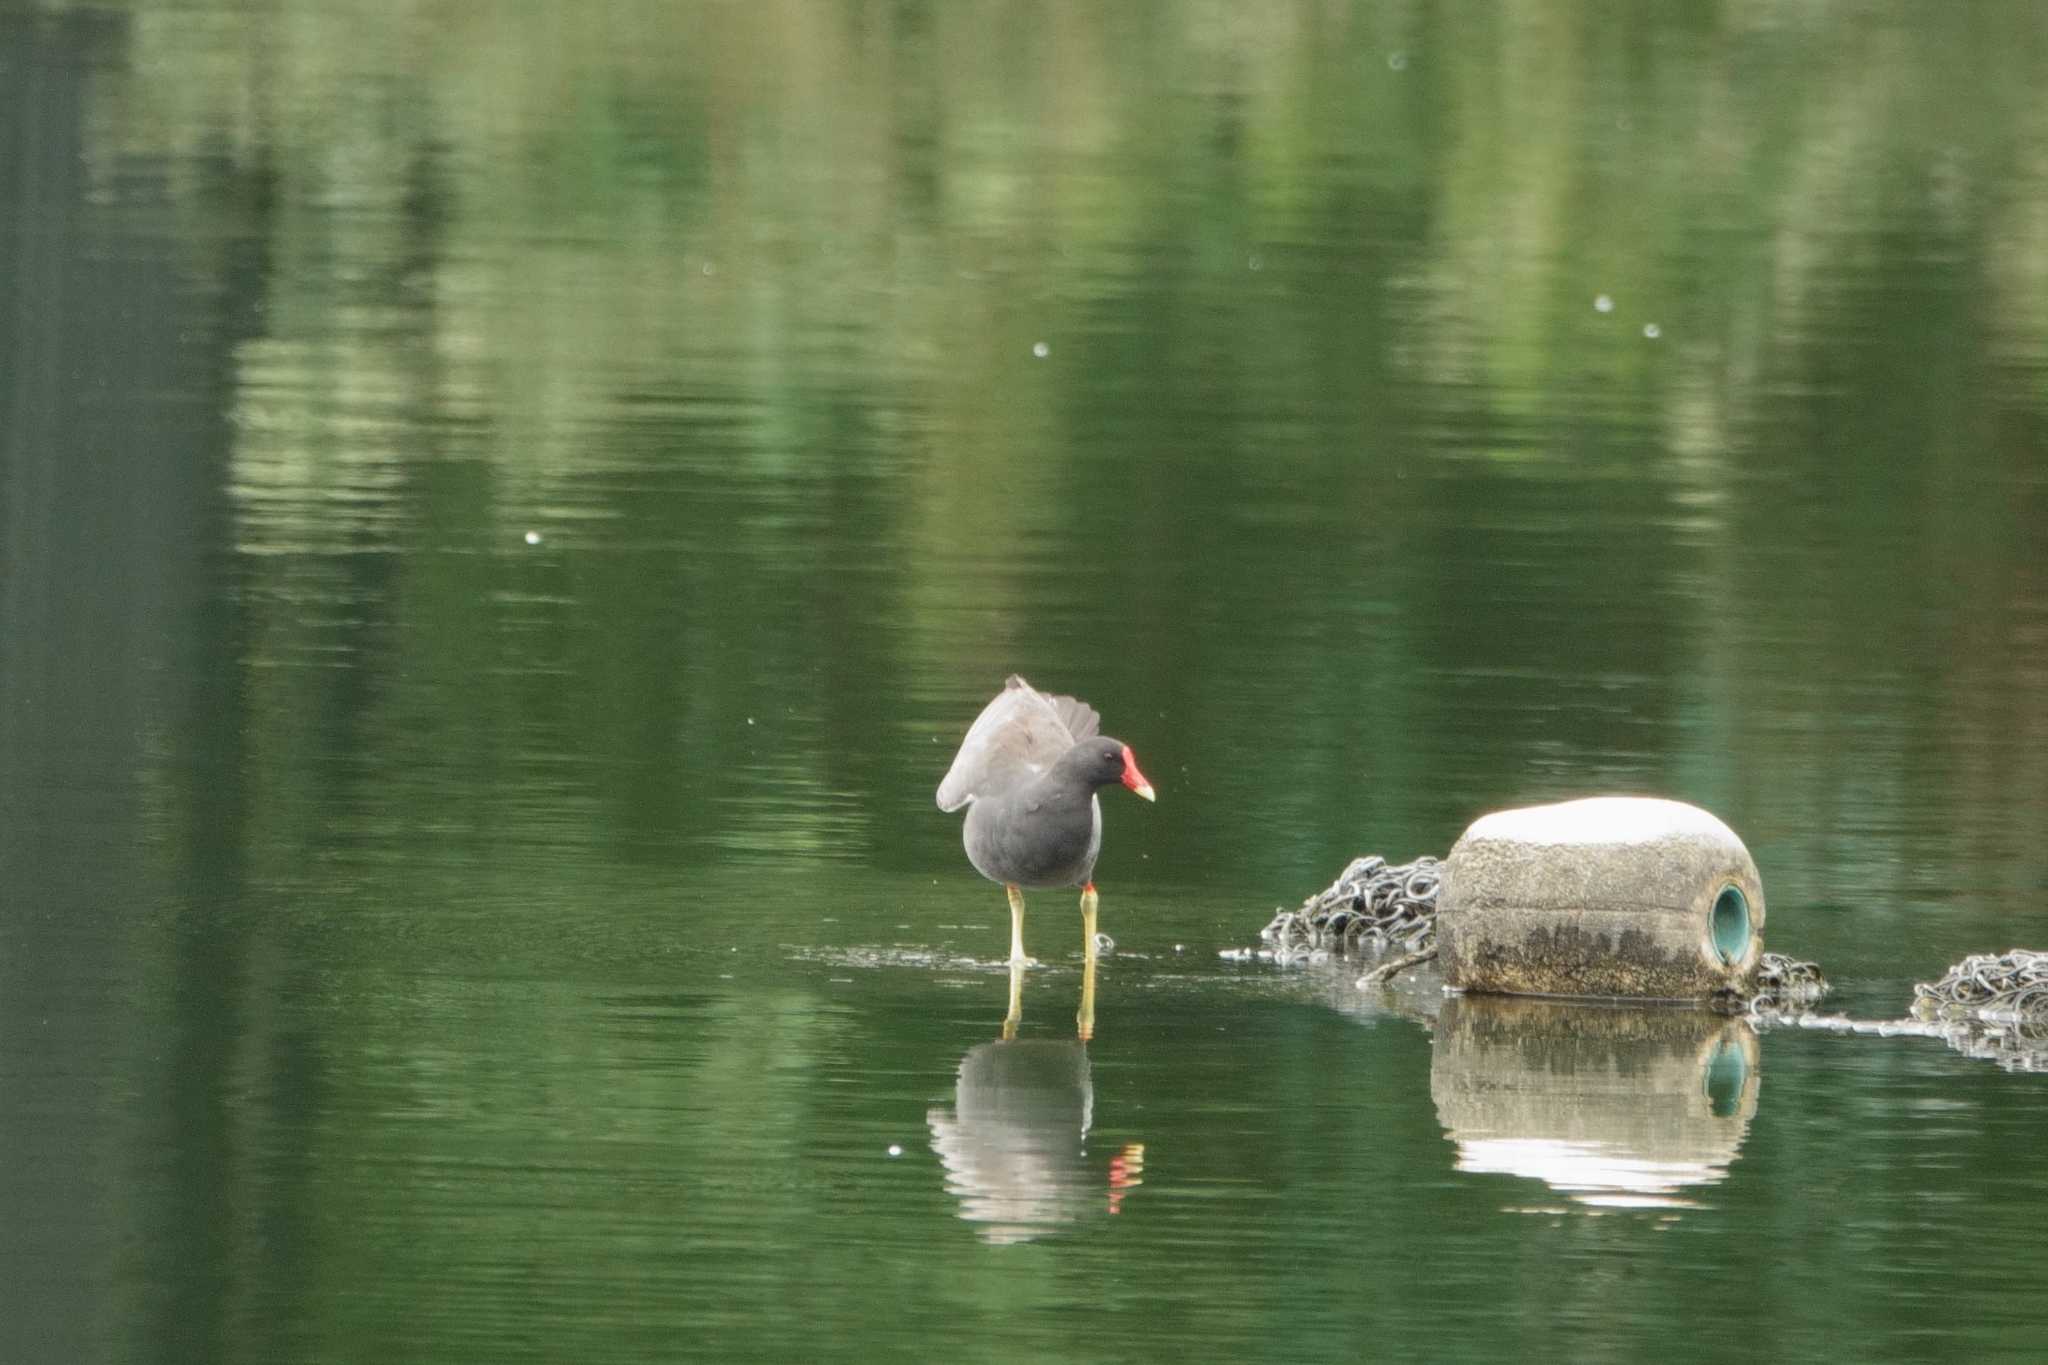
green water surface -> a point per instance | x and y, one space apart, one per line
505 511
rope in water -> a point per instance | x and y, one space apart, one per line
2014 1046
1989 1006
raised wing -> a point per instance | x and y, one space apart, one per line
1015 738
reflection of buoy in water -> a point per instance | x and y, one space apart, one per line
1611 1105
1619 896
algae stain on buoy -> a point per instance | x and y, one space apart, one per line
1616 896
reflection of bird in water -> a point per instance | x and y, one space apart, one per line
1015 1143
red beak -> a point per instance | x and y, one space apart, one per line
1134 779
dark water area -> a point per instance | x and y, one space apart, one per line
505 513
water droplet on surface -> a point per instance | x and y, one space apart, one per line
1602 304
533 537
1255 263
895 1149
1040 349
1652 330
1397 61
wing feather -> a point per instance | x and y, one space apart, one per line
1015 738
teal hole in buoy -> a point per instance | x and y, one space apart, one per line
1730 924
1727 1075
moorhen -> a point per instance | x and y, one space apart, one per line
1027 773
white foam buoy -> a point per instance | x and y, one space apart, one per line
1617 896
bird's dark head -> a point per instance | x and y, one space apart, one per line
1103 762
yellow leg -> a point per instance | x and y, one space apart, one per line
1016 1014
1086 1018
1017 958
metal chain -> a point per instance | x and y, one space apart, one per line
2003 987
1373 905
1783 986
